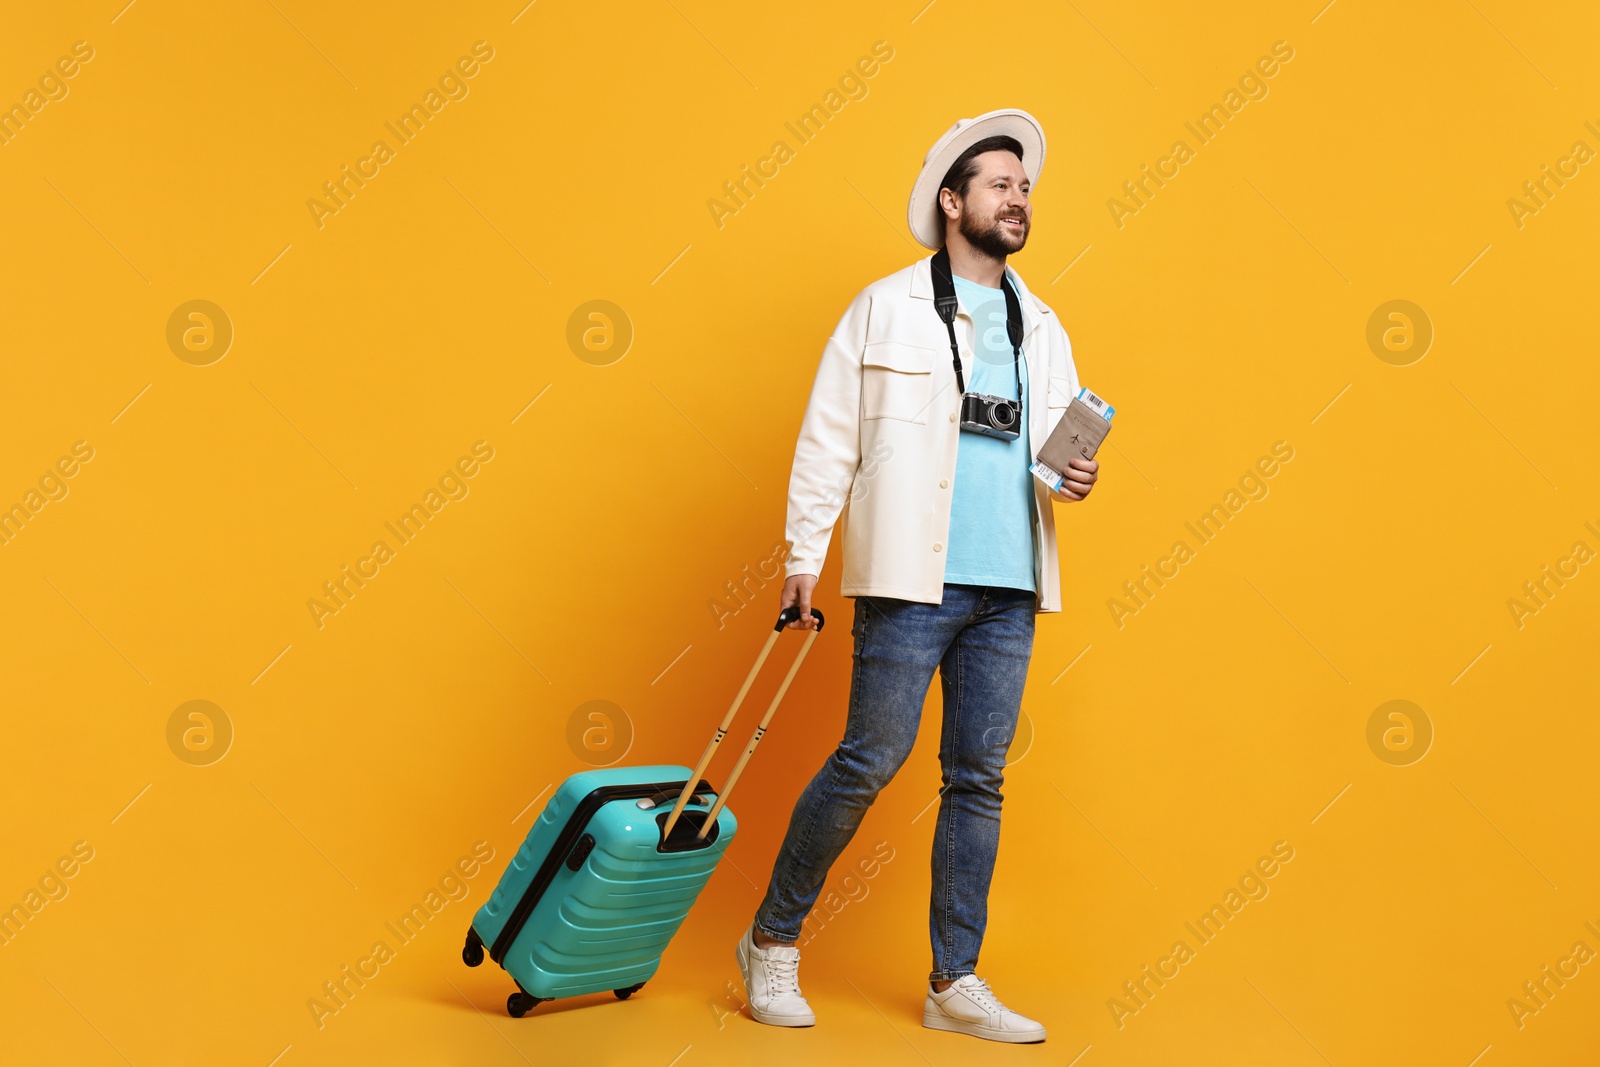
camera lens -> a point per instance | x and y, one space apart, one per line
1004 416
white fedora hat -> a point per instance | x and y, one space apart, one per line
923 213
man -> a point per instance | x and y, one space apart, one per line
949 551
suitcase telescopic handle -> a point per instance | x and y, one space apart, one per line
792 614
785 617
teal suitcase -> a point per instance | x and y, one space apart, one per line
598 887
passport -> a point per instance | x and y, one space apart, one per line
1079 432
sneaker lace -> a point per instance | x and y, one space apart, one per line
979 991
783 976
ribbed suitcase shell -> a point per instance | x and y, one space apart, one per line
605 925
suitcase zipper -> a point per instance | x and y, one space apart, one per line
576 824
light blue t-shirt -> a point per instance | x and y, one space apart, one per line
991 510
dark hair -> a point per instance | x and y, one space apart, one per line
959 177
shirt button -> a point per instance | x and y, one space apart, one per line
944 483
938 548
952 417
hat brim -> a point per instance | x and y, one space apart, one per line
922 213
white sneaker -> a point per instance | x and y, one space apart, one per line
772 982
968 1007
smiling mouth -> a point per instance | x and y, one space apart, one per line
1012 220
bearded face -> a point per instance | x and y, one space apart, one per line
998 234
996 213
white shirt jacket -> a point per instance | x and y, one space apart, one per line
877 446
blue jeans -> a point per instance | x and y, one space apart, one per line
981 640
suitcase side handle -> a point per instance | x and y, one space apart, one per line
657 799
785 617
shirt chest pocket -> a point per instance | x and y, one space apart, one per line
896 381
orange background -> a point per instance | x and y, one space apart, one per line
370 353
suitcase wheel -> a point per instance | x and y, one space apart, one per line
520 1004
628 991
472 951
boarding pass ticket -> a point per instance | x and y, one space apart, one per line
1098 406
1047 476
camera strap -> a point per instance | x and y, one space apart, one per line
945 303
